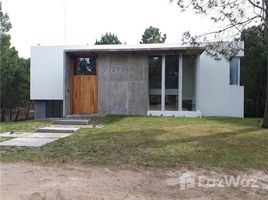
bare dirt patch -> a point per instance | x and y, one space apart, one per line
30 181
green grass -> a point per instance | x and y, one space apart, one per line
157 141
20 126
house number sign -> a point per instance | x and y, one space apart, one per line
113 70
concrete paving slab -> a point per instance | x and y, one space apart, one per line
54 129
33 135
70 126
76 126
15 134
93 126
43 135
71 121
87 126
48 135
98 126
29 142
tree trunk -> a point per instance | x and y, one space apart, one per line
27 110
10 114
265 119
17 115
259 99
3 114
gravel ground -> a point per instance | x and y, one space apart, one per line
32 181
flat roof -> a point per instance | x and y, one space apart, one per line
133 48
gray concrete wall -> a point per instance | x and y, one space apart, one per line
123 83
68 73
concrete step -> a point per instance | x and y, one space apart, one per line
84 116
57 129
71 121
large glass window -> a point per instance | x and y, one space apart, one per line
155 71
172 83
176 90
234 67
85 66
188 83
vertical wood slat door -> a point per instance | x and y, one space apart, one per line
84 95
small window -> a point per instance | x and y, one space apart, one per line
85 66
234 71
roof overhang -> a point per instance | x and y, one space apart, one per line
146 48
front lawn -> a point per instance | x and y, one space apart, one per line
157 141
20 126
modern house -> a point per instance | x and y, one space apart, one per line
145 79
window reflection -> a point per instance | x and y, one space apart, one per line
155 63
234 71
85 66
188 89
172 83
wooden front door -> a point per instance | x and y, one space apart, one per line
84 86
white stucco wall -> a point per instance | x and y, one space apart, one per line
46 75
215 96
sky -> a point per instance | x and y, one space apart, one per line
42 21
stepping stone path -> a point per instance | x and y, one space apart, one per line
60 129
71 122
57 129
28 142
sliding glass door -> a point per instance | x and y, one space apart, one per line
172 83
